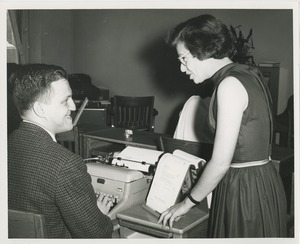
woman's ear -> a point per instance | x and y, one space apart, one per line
38 109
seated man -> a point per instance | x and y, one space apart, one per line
43 176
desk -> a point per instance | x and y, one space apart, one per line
91 119
73 139
109 136
283 158
86 128
137 219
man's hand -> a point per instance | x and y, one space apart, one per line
104 203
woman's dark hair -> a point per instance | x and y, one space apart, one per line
204 36
32 82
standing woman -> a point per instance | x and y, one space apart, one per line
248 197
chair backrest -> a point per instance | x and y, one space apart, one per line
135 113
23 224
199 149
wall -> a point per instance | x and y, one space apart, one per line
51 37
124 50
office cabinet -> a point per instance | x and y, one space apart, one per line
271 75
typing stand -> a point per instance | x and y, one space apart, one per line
138 220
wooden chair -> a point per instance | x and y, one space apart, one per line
23 224
135 113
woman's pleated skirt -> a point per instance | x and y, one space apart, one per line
249 202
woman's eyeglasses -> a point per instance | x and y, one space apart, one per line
182 58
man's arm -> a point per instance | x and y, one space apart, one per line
77 202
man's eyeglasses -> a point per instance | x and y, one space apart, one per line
182 58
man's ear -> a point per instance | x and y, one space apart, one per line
38 109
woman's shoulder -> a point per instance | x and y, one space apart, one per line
230 83
231 89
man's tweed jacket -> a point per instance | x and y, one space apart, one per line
44 177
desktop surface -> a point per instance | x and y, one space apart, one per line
117 135
138 218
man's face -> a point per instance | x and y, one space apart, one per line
57 110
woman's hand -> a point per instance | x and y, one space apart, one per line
174 213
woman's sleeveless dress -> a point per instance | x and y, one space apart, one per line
248 201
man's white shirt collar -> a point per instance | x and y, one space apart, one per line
50 133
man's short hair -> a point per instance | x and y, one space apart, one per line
32 82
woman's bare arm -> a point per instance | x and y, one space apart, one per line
232 101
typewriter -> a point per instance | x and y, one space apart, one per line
125 187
